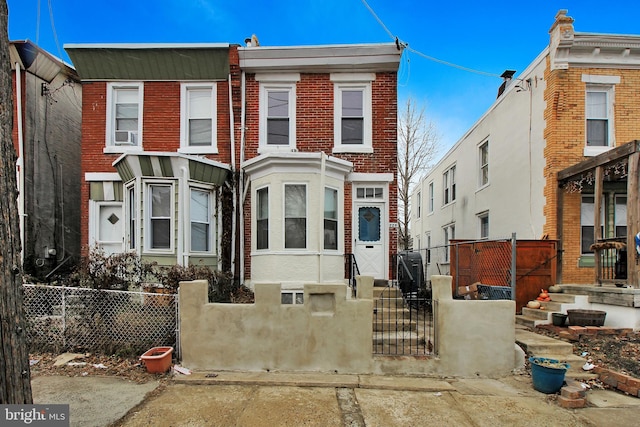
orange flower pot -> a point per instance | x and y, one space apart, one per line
157 360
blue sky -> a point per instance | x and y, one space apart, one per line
486 36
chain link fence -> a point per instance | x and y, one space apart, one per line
100 321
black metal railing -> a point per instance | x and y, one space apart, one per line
402 322
351 270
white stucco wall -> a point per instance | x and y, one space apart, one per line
513 198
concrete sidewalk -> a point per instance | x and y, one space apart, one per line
283 399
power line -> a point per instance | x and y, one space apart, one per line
430 58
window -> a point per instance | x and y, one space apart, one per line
295 216
160 231
587 228
449 184
449 234
483 157
484 225
431 197
124 116
200 213
419 203
277 111
262 219
428 242
131 202
292 297
198 118
599 117
352 112
330 218
620 215
597 113
369 193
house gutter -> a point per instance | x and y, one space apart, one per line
233 183
20 162
241 184
323 168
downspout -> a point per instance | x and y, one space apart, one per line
183 255
241 184
323 167
20 162
233 181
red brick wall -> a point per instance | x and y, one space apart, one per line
314 133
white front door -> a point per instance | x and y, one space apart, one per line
369 246
109 227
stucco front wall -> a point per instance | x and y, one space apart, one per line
330 333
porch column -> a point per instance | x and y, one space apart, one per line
633 219
597 220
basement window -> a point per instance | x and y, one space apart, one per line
292 297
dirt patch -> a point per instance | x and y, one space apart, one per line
617 353
94 365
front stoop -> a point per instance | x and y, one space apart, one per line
560 303
541 346
393 331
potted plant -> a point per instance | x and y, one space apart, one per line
547 374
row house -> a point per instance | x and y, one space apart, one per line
529 164
275 163
47 98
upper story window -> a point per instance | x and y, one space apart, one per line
449 185
431 197
352 112
599 117
483 163
262 218
295 216
277 111
330 218
124 117
198 118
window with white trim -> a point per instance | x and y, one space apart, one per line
483 164
449 185
449 234
159 217
262 218
483 222
587 227
598 115
124 116
132 223
330 218
431 197
277 116
369 193
292 297
620 215
198 122
352 112
427 238
419 204
200 211
295 216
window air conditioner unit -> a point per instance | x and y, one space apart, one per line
126 137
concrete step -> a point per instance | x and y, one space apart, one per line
529 322
388 325
563 298
535 313
388 303
387 292
397 339
390 312
540 345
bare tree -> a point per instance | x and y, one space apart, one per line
15 381
417 147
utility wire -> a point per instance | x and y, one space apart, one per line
430 58
53 29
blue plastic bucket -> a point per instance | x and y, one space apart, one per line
547 379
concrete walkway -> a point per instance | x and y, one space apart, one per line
281 399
